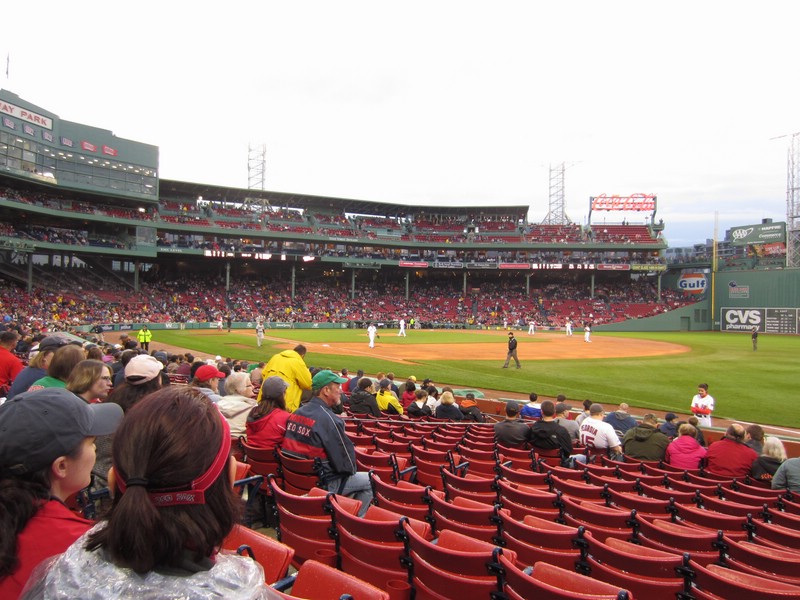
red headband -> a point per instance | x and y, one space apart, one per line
196 494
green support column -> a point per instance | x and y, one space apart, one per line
407 278
464 287
591 295
136 276
660 275
30 273
228 276
352 284
294 267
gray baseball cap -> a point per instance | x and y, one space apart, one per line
273 387
37 427
56 341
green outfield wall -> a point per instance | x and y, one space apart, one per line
694 317
767 300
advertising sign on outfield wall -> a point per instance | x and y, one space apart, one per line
758 234
767 320
692 282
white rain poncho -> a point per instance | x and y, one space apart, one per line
79 573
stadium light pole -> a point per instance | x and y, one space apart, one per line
792 199
714 268
793 203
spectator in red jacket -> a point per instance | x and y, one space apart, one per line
266 423
10 365
409 394
730 457
46 455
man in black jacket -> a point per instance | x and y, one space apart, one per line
513 431
512 350
547 434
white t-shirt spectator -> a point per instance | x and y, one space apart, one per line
598 434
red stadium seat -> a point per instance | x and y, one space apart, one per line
554 583
323 582
455 566
273 556
407 499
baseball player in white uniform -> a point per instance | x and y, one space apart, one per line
703 405
259 332
402 331
372 331
531 327
569 327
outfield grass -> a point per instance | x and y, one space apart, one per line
747 385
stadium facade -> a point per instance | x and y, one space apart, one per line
77 195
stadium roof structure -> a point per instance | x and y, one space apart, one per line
214 193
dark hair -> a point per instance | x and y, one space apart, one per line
587 404
410 386
64 360
364 383
548 408
21 497
300 349
126 395
195 365
8 336
169 438
94 353
126 356
756 432
703 385
533 397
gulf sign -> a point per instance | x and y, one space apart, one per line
692 283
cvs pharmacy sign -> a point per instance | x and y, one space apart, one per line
741 319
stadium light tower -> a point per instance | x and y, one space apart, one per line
556 214
256 166
256 173
793 203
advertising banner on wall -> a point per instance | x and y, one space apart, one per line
692 282
765 320
758 234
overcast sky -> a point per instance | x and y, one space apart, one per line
439 102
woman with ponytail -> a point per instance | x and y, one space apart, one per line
46 456
173 506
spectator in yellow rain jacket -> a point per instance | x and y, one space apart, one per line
290 366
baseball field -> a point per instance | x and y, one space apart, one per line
658 371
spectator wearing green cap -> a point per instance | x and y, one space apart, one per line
315 431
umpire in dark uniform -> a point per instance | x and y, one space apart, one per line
512 350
